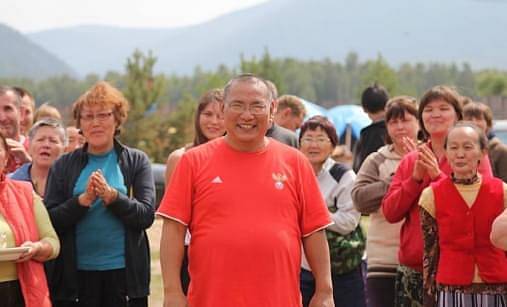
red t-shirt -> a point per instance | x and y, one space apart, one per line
247 213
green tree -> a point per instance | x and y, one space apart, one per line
180 125
142 90
379 71
492 83
266 68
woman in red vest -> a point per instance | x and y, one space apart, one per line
439 109
461 265
24 224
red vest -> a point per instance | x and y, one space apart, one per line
463 233
16 206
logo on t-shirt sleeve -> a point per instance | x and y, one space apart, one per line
279 179
217 179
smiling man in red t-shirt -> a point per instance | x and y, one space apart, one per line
249 203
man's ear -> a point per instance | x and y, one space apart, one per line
273 107
286 113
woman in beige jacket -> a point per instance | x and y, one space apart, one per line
371 184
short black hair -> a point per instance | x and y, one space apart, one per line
374 98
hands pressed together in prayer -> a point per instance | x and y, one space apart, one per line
97 187
426 163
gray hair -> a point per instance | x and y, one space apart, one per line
5 89
482 140
248 78
53 123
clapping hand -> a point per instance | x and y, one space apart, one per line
426 164
428 160
408 145
18 151
87 198
102 188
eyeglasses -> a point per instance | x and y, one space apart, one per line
101 117
319 141
254 108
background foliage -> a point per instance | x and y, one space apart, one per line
162 106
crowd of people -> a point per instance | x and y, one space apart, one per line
256 210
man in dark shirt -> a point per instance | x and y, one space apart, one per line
372 137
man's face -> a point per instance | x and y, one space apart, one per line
295 121
75 139
246 112
26 114
289 120
9 116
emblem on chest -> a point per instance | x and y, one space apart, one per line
279 179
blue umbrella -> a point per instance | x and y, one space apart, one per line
349 115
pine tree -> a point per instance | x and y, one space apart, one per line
142 90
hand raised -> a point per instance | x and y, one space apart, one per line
18 151
429 161
408 145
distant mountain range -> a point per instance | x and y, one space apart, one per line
402 31
20 57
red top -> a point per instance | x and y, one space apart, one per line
247 214
401 203
16 206
468 245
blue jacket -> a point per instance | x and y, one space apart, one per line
136 210
22 173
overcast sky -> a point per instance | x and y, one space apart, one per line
35 15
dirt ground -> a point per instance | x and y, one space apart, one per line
156 297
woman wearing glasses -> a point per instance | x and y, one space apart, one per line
100 200
317 140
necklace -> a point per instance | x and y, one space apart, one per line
465 181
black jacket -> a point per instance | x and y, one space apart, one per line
135 210
372 137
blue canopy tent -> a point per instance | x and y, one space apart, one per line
313 109
349 115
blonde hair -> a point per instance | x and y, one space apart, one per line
293 102
46 111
